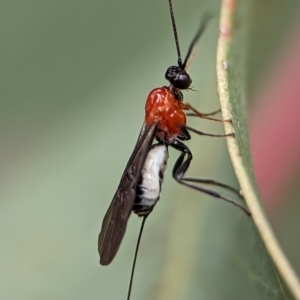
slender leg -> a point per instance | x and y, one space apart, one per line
204 116
214 182
181 167
208 134
216 195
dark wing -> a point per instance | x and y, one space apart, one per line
115 220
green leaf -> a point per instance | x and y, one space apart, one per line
230 88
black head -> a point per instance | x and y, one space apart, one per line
178 77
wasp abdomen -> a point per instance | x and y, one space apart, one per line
149 187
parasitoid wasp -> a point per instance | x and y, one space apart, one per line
165 122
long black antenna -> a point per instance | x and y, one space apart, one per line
175 34
135 256
202 26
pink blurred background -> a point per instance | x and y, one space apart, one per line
274 125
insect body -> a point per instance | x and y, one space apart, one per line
140 184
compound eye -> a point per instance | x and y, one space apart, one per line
178 77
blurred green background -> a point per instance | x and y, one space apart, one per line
74 79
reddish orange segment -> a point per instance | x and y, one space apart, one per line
163 108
